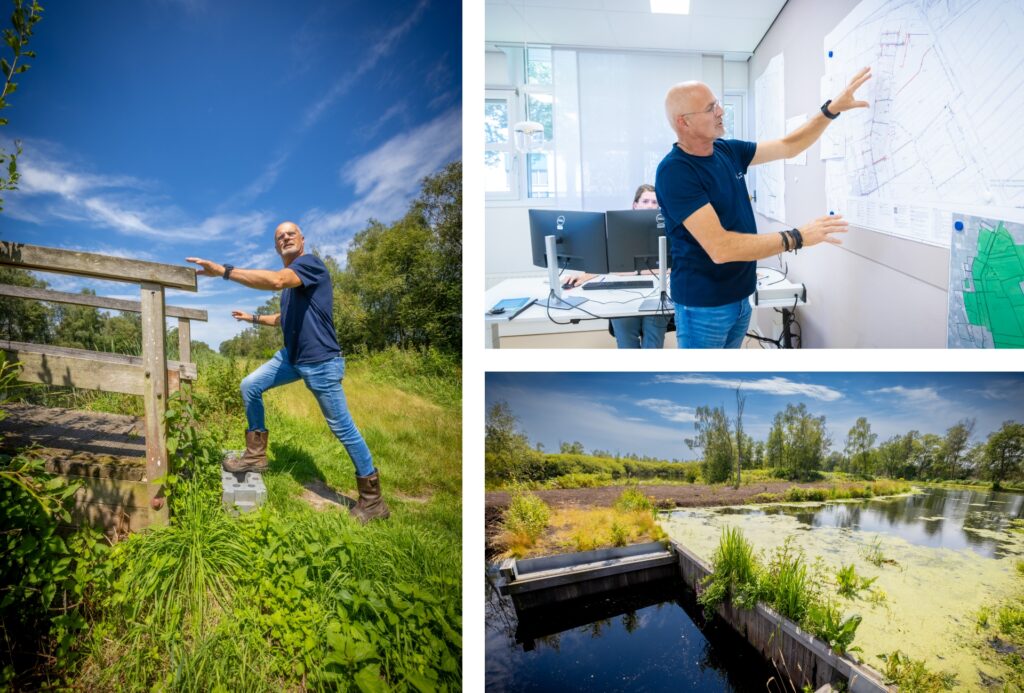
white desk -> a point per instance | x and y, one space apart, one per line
617 303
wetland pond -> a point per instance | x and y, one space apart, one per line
938 556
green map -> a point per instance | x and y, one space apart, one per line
986 284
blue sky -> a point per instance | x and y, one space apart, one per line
651 413
161 129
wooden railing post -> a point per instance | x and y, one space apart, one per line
184 340
154 361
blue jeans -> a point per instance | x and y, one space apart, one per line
324 381
645 332
716 327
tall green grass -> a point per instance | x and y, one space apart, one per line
290 597
787 584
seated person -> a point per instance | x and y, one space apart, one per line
641 332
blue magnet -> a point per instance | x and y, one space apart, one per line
958 225
830 212
830 54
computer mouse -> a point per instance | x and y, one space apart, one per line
568 285
496 311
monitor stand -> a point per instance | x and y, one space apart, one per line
661 303
555 299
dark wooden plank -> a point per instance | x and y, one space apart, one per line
35 257
92 370
96 301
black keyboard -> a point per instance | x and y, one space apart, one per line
609 286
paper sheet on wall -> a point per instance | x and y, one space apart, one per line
770 117
945 96
833 140
791 125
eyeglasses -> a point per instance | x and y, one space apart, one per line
717 105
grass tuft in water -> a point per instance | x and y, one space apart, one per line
912 674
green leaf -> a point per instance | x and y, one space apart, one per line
369 681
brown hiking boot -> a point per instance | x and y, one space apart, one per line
370 505
255 457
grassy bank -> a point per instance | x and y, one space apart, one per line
296 595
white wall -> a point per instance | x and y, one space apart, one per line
875 290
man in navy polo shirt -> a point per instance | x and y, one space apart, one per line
311 352
714 240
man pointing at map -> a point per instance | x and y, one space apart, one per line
702 193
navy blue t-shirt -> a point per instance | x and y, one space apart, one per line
684 183
307 313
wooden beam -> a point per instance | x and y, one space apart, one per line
35 257
96 301
90 370
154 395
184 340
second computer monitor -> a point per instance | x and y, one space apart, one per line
633 239
579 239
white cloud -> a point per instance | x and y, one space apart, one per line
52 189
388 178
669 410
377 51
770 386
916 396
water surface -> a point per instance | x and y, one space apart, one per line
947 555
652 638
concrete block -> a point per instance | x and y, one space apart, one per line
245 489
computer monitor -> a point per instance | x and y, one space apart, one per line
579 239
633 239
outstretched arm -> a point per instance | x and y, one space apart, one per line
722 245
270 320
268 280
808 133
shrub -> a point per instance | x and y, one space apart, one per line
579 480
526 517
633 499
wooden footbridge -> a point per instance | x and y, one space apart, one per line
119 459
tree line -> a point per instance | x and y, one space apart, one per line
400 286
798 447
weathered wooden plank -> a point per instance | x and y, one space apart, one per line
96 301
154 393
111 491
94 265
111 519
90 370
185 340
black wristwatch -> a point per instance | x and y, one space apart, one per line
828 114
227 271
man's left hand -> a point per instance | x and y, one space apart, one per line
845 101
209 268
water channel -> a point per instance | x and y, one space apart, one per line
652 638
946 554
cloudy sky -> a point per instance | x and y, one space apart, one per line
160 129
651 414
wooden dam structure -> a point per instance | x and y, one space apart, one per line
119 460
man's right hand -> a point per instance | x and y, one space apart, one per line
821 229
241 316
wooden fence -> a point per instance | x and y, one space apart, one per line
152 375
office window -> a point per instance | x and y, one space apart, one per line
500 181
732 104
508 173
